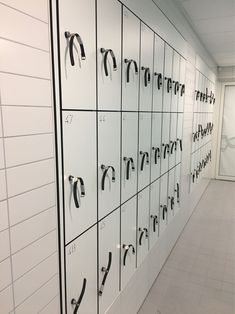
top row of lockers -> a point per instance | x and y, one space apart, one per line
110 60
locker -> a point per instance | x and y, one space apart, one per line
168 78
158 78
182 85
131 49
154 213
108 162
80 188
78 54
171 195
165 151
128 240
177 188
173 140
109 54
144 150
156 146
146 68
109 257
143 225
129 154
163 211
179 137
81 273
175 82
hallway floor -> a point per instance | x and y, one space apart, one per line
199 275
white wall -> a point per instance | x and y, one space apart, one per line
28 222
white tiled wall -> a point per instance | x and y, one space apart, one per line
28 216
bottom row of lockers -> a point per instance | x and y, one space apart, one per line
124 239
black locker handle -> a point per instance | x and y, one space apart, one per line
145 155
105 270
129 165
105 171
177 190
182 91
155 221
164 211
197 94
141 236
126 248
201 96
166 150
74 181
147 76
159 80
106 52
156 154
172 202
129 62
177 87
174 145
193 177
79 301
169 84
181 145
71 38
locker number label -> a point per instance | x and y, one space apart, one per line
69 119
72 249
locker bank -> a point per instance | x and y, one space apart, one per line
117 158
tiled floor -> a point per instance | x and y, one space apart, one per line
199 275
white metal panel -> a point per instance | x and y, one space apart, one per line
168 64
154 212
182 84
165 142
156 145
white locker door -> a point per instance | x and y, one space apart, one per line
173 140
109 258
154 213
179 137
175 82
163 212
168 78
156 145
165 142
108 162
144 150
129 154
109 54
128 241
81 273
146 68
158 78
131 50
78 54
177 187
80 188
143 225
182 85
171 195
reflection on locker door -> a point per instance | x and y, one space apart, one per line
165 150
131 48
109 257
179 138
109 54
143 225
78 53
163 213
167 78
158 73
177 187
173 140
154 213
175 82
144 150
128 241
81 273
171 195
156 145
108 162
182 85
129 154
80 188
146 68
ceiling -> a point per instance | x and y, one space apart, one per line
214 23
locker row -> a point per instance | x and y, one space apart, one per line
126 67
202 129
204 94
134 149
124 239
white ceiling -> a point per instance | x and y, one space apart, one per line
214 22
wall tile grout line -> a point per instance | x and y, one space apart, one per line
25 75
48 303
23 44
30 162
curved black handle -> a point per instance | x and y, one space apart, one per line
71 38
201 96
74 181
169 84
197 94
147 76
156 154
155 221
105 171
176 87
166 150
78 302
181 145
195 136
174 145
159 80
145 155
105 270
141 236
106 52
193 177
172 202
177 190
164 212
182 91
129 165
129 62
126 248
